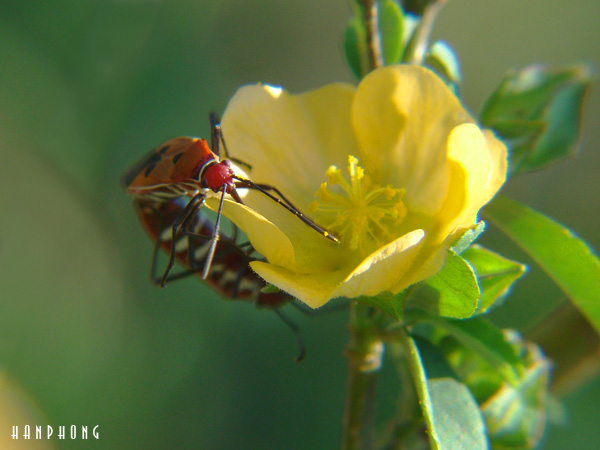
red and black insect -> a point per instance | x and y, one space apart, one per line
187 166
229 274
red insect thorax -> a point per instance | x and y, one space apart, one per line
216 175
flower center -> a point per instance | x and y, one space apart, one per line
363 212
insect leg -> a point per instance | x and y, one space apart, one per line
238 279
194 268
292 326
153 267
268 187
187 213
215 134
217 139
215 236
264 189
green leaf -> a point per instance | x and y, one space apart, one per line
516 414
419 378
391 304
434 360
391 29
442 58
538 112
269 289
566 258
489 342
467 238
452 417
355 47
495 273
453 292
458 421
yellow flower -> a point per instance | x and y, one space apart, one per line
394 167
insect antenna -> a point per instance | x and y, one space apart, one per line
292 326
264 189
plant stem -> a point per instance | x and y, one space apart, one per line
417 46
371 21
364 354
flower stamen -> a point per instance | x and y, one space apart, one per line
363 212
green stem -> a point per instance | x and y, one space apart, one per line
417 46
364 354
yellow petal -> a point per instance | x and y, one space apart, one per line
265 237
430 260
312 251
410 131
478 164
313 289
290 140
402 116
382 270
378 272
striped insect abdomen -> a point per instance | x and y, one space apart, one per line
230 273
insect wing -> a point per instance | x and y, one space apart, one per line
175 161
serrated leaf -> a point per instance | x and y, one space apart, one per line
495 273
566 258
355 47
453 292
538 112
391 29
467 238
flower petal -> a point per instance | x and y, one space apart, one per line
288 139
402 116
314 289
382 269
378 272
478 165
410 132
265 237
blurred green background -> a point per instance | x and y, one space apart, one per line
86 87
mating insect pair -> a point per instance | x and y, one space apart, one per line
186 166
229 274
